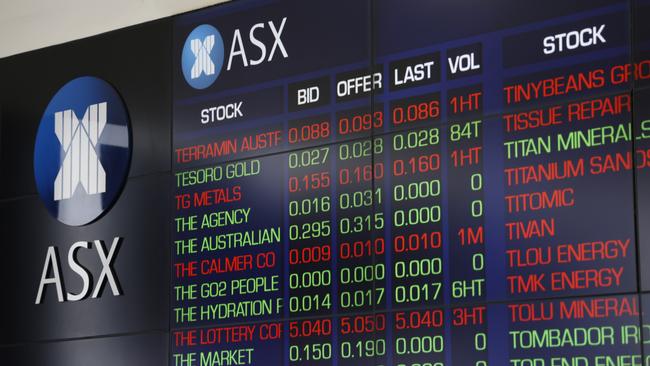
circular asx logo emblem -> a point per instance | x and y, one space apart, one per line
202 57
82 151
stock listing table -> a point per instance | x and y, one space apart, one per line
419 184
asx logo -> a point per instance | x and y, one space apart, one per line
81 164
203 53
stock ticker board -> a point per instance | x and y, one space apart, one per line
410 183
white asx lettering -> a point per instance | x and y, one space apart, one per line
106 275
237 48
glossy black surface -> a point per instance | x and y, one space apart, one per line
148 349
140 217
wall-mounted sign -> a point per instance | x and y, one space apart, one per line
410 183
83 200
82 151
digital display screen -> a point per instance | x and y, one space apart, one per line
410 183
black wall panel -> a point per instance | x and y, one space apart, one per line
129 329
147 349
139 217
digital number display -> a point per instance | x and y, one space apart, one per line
412 185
